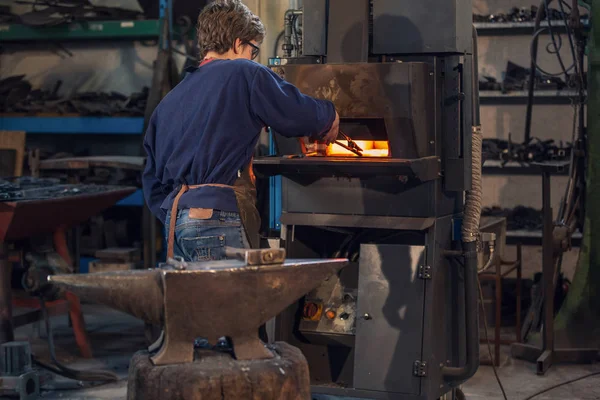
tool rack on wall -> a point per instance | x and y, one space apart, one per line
89 31
499 29
547 97
74 125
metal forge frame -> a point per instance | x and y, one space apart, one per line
399 318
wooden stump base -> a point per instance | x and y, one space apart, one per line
217 376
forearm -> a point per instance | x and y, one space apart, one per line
316 122
286 110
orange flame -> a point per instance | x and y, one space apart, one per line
377 148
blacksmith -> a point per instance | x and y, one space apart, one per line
201 138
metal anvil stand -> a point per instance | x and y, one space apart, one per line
548 354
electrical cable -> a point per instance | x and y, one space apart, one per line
556 47
276 45
295 33
347 240
571 43
563 2
534 59
535 67
562 384
58 368
487 341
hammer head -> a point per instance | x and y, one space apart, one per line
209 299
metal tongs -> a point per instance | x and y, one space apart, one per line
351 146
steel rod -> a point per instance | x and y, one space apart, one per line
548 277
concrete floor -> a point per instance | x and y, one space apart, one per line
115 337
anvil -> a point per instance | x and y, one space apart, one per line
231 298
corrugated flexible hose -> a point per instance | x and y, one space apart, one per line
470 227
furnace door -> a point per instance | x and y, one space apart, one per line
390 308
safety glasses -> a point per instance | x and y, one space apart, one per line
255 50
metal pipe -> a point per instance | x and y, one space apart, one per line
547 270
288 28
6 323
461 374
476 112
470 234
541 14
491 260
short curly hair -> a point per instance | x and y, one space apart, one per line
221 22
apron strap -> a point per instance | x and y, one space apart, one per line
173 221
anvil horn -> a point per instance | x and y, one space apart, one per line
138 293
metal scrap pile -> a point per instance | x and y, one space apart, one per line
516 14
27 188
18 96
535 151
56 12
518 218
523 14
517 78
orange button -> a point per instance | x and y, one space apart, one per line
330 314
312 311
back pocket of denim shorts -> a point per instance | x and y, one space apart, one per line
204 248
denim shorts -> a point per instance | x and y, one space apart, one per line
206 239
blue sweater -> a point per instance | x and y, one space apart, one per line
205 130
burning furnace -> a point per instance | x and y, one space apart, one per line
400 322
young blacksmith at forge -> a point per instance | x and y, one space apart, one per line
200 141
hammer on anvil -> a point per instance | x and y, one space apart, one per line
230 298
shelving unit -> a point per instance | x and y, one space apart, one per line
534 238
73 125
80 126
517 28
547 97
493 167
524 237
521 96
101 30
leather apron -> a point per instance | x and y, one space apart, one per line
245 194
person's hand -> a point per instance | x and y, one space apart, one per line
333 133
